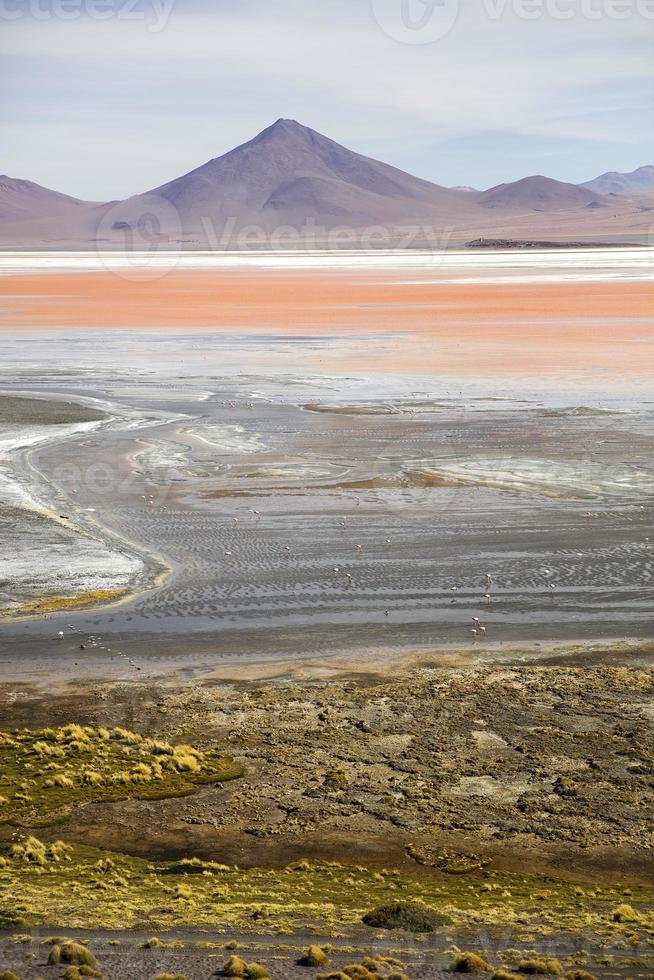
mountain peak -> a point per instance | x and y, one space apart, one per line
285 128
290 174
287 124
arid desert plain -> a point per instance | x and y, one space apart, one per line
326 596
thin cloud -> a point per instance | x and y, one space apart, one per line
105 109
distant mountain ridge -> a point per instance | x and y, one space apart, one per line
641 179
538 194
23 199
292 177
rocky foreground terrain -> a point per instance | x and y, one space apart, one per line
516 800
549 765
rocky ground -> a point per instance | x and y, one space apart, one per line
465 780
549 765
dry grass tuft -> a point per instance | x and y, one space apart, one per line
314 956
470 963
234 967
71 952
547 966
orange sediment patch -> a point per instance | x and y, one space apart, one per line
589 328
54 604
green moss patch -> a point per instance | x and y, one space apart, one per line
43 773
412 916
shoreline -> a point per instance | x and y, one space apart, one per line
37 607
374 667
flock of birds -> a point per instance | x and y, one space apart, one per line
477 630
91 640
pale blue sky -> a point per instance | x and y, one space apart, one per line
102 108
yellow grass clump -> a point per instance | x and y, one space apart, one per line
34 851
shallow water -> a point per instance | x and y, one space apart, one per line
412 489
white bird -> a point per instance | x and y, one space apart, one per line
359 547
60 634
475 619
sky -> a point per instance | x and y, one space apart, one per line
106 98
